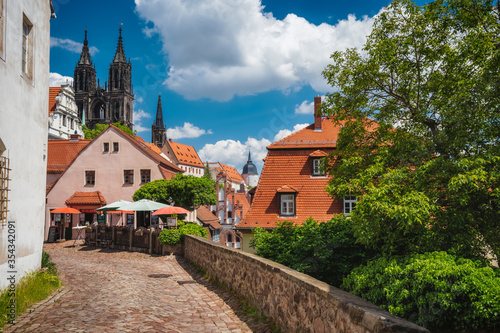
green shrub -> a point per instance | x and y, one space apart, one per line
174 236
47 263
435 290
327 251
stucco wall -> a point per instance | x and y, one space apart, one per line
109 169
23 131
295 301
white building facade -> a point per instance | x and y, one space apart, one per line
24 82
63 113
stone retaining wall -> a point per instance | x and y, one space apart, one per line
295 301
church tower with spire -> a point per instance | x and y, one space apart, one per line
158 132
111 103
250 173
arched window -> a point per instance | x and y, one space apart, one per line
116 112
128 116
99 110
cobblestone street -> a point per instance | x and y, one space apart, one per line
114 291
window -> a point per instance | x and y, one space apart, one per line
145 176
318 167
287 204
27 48
64 121
116 147
105 147
72 124
349 204
128 176
4 188
90 177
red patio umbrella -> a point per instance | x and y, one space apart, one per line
171 210
65 210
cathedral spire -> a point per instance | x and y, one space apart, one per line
120 53
159 114
85 56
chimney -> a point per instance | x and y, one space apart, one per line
74 137
242 187
317 114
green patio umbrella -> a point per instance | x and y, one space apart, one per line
113 206
142 205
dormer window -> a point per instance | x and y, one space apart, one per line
287 204
317 167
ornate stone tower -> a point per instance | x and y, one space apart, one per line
250 173
119 88
84 80
158 133
114 102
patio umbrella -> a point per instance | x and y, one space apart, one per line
65 210
171 210
142 205
113 205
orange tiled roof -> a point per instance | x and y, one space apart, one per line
206 217
185 154
241 197
291 168
53 92
86 198
233 174
61 153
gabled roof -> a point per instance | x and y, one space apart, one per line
185 154
290 171
206 217
309 138
53 92
60 153
86 198
242 199
232 173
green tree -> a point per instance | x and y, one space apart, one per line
184 191
92 133
427 172
326 251
206 173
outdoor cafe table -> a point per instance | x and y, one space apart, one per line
80 236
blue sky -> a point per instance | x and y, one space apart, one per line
232 74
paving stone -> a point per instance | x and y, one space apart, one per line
110 291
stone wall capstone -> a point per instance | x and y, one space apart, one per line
296 302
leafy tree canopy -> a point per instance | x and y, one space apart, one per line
184 191
92 133
427 172
326 251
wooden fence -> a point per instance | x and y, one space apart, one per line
128 239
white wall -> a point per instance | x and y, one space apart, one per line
23 130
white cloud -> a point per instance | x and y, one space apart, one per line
306 107
235 153
286 132
56 80
71 45
186 131
221 48
139 116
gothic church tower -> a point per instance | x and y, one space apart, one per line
114 102
158 133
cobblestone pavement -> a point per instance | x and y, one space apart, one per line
114 291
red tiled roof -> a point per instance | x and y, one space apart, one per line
185 154
206 217
232 173
318 153
53 92
242 199
61 153
292 169
86 198
286 189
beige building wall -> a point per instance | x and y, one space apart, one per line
24 91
